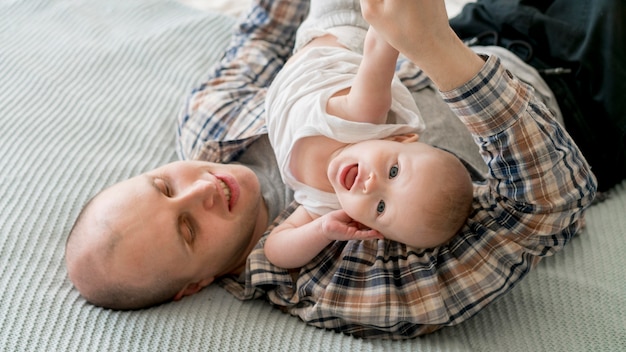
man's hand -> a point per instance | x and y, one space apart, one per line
338 226
409 25
419 29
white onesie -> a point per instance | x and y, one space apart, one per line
296 108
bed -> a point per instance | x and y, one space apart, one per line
89 91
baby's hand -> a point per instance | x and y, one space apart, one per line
337 225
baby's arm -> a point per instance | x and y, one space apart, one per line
369 98
302 236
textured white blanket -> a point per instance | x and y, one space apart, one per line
89 91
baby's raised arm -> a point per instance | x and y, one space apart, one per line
369 98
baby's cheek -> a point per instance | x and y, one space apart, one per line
356 207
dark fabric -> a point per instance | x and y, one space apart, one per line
585 37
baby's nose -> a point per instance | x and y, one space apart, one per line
370 183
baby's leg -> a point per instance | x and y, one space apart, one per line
341 18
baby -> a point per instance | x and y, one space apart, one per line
345 133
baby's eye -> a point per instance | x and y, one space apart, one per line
380 208
393 172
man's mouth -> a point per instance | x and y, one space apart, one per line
348 176
226 190
230 187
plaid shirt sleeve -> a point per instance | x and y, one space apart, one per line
530 207
226 113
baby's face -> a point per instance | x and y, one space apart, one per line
384 184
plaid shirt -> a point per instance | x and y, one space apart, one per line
530 206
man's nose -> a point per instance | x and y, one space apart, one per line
200 193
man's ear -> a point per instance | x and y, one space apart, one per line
192 288
404 138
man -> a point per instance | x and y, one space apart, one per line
530 205
236 98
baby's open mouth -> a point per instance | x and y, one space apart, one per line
348 175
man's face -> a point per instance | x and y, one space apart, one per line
383 184
190 219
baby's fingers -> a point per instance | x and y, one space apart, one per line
370 235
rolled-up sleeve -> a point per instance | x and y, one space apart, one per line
226 113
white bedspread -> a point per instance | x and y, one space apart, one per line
89 91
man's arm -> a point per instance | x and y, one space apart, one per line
419 29
369 98
223 115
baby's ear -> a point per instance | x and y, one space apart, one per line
404 138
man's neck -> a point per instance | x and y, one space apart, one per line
262 222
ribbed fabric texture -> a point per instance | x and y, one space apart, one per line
89 91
